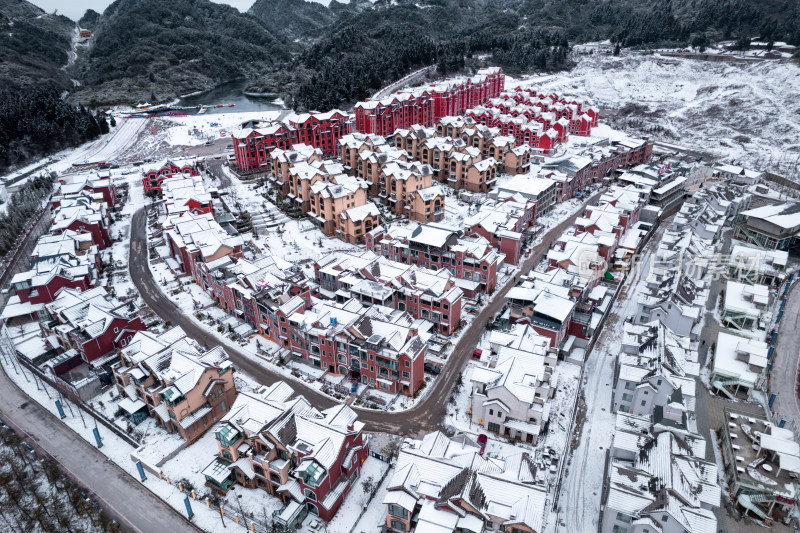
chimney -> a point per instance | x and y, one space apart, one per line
350 427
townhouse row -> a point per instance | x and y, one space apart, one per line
536 119
366 291
658 369
426 105
253 143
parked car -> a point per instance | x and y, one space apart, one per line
30 448
482 439
477 354
432 369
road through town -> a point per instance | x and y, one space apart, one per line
581 491
425 416
784 379
133 506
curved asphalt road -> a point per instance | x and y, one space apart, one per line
424 417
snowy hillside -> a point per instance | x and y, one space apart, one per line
745 111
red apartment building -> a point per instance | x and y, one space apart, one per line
82 217
426 106
75 185
472 260
375 346
40 286
90 322
252 144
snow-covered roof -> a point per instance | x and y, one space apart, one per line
741 358
450 470
785 215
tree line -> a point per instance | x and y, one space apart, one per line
35 121
23 205
35 495
348 67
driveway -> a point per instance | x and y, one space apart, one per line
424 417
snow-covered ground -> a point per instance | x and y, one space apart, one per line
581 490
354 503
747 112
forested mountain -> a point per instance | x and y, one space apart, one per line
302 20
33 44
370 47
151 48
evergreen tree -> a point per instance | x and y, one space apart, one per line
102 122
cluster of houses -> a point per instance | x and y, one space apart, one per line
81 323
419 270
267 438
565 297
659 474
535 118
551 313
658 368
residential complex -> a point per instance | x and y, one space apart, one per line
424 293
445 484
307 458
254 142
472 261
171 378
426 105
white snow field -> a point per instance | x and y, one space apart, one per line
747 112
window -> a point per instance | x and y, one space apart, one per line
399 512
406 375
491 411
622 517
627 397
619 529
665 518
224 408
644 402
310 494
398 525
408 364
116 330
630 385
